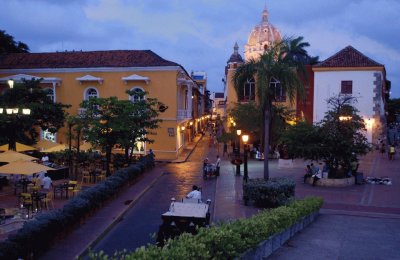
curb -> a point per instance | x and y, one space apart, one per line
117 219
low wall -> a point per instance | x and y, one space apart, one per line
325 182
273 243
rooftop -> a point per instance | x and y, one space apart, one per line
83 59
348 57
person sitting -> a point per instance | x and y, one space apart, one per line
316 177
308 174
45 158
195 193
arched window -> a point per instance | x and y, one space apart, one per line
279 92
139 96
249 90
91 93
50 93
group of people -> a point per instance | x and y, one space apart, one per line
313 172
206 166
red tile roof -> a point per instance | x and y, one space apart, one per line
83 59
348 57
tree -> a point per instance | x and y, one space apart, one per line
45 114
337 140
8 44
248 117
393 110
271 66
109 121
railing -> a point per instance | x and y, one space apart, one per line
184 114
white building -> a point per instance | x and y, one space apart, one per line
352 73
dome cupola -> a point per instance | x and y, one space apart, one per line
261 37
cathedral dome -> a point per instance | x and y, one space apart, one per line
263 35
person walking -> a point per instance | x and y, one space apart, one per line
225 149
217 166
392 151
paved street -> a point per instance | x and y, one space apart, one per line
144 218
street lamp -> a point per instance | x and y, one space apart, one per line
12 114
245 139
238 132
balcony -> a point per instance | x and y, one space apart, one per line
184 114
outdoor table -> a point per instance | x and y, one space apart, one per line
61 189
24 182
37 198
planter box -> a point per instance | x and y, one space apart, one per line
273 243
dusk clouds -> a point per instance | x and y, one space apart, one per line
200 34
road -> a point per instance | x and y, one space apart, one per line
143 219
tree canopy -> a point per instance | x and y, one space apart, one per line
337 140
109 121
45 114
9 45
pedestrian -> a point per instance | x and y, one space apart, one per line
392 151
308 173
225 149
217 166
383 149
152 157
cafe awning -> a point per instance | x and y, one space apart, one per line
12 156
23 167
19 147
44 144
58 148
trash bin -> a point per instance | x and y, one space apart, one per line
359 178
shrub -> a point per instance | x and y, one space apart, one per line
272 193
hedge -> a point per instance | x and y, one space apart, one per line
227 240
270 193
38 235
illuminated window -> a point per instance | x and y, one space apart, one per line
50 93
46 135
91 93
139 96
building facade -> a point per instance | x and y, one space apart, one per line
349 72
71 77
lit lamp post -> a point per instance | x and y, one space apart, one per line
12 113
238 132
245 139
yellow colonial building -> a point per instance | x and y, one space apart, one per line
71 77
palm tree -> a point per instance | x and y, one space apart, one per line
274 64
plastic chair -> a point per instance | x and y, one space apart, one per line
48 200
101 176
76 190
85 177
